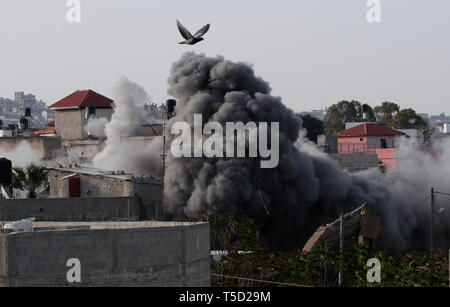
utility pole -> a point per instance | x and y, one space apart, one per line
163 158
341 248
433 200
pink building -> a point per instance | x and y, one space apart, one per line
372 139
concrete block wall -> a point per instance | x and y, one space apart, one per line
69 124
101 186
354 162
71 209
175 255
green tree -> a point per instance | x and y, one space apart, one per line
408 119
385 113
314 127
341 113
32 179
371 114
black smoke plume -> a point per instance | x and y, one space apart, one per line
289 202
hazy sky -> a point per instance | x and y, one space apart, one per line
313 52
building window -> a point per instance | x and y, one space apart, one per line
383 143
361 139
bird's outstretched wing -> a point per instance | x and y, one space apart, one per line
202 31
184 32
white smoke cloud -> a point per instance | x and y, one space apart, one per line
22 155
96 127
121 152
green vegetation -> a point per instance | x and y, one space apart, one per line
385 113
408 119
388 114
32 179
341 113
318 268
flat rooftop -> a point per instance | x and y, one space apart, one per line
79 169
61 226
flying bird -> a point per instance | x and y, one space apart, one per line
189 38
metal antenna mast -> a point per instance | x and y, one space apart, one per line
341 248
163 158
433 204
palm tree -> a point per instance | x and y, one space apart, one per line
32 179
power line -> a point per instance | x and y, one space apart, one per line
442 193
415 207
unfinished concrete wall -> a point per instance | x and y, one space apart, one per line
152 256
104 187
354 162
100 186
86 149
150 196
69 124
3 261
71 209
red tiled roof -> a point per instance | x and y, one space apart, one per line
44 131
368 130
83 99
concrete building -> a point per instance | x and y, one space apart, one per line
370 138
50 131
107 254
81 181
72 113
327 143
366 137
414 137
85 150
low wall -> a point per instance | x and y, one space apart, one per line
158 255
355 162
71 209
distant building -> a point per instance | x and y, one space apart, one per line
366 137
72 113
47 132
370 138
414 137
